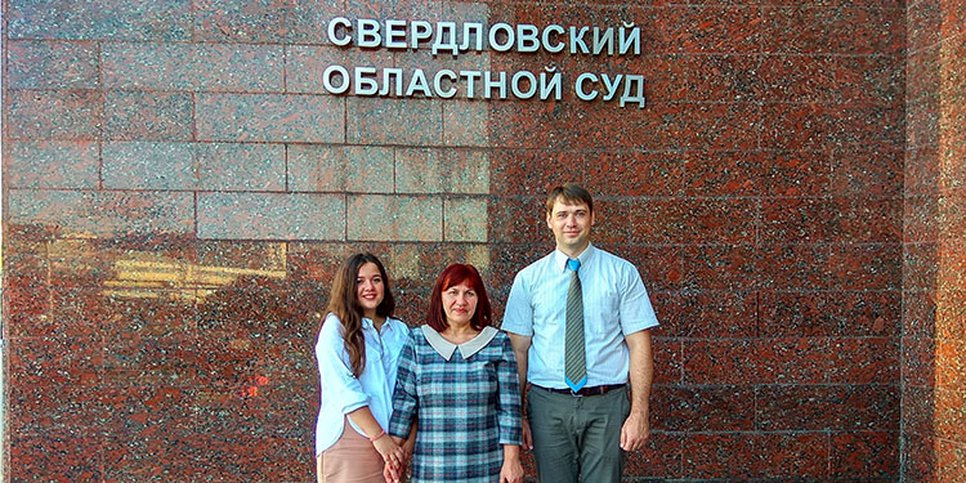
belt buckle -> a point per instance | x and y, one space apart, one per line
575 393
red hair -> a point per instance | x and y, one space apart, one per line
456 274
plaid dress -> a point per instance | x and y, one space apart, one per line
467 405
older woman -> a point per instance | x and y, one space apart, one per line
457 377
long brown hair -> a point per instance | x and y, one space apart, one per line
345 305
456 274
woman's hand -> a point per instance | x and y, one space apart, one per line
391 453
512 470
392 473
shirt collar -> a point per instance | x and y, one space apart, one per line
446 348
560 258
368 324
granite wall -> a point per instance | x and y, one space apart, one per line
178 190
934 284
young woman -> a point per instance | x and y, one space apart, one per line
358 353
458 378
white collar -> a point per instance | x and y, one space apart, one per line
446 348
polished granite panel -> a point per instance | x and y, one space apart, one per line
703 408
52 164
208 67
54 114
139 20
161 304
52 65
739 456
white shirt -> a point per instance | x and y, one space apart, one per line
342 392
615 304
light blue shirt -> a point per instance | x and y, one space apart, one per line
615 304
342 392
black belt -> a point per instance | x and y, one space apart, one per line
585 391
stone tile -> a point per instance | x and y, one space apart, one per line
866 267
159 361
699 409
271 216
528 172
724 78
920 267
668 360
71 114
720 267
308 20
103 213
866 455
918 361
800 220
864 360
867 174
738 456
155 116
465 219
829 314
262 21
756 361
415 9
100 20
872 220
923 74
270 118
38 455
469 171
52 65
150 166
723 173
442 171
714 314
395 218
381 121
52 164
823 127
827 407
695 34
240 167
724 126
354 169
923 123
950 314
208 67
660 458
466 123
950 460
844 29
923 20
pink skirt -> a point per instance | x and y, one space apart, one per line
352 459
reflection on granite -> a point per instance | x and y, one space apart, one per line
180 189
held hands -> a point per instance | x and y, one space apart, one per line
393 455
512 470
526 434
635 432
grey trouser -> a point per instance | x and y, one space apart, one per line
577 436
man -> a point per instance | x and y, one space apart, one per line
579 321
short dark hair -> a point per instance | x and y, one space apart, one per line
571 193
456 274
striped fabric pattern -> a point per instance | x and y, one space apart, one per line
466 409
